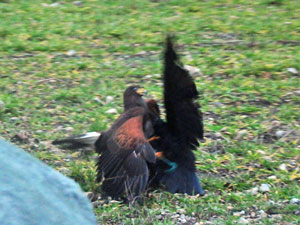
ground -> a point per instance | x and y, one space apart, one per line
60 60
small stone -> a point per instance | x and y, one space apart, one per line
159 217
112 111
181 211
148 76
2 105
224 129
252 191
208 223
175 216
283 167
264 188
194 71
277 216
275 123
243 221
183 221
71 53
114 201
293 71
59 128
261 152
297 212
295 201
218 135
297 92
272 177
21 137
141 53
65 128
77 3
14 119
55 4
241 134
279 133
268 158
183 218
229 207
69 129
272 202
109 99
239 213
262 213
96 99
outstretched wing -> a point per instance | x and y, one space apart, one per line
184 118
124 151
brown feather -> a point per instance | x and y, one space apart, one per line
123 150
130 134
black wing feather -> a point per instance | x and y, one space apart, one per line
184 118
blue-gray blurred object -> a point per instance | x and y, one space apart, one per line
31 193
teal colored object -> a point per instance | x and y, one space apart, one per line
32 193
173 165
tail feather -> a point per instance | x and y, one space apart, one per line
79 141
182 180
184 118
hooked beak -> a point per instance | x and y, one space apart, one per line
141 91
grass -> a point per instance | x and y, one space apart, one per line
243 48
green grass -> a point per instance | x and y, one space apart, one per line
243 48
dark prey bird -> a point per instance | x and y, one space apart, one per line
175 168
124 149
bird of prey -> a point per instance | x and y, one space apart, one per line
127 161
124 150
175 168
